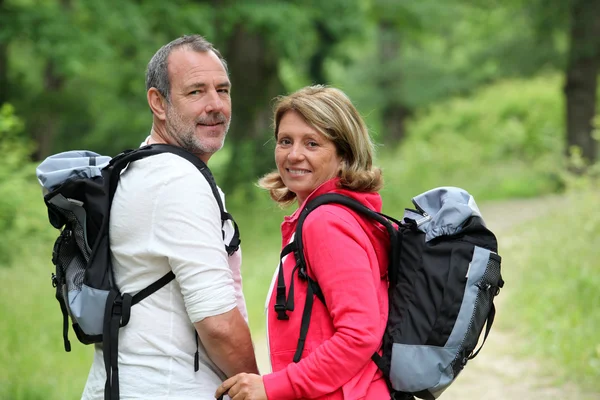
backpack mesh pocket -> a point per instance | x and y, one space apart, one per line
72 254
487 290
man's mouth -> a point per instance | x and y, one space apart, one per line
212 120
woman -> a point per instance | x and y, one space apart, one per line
323 146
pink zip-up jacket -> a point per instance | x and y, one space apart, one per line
347 255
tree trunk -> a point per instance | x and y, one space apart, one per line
3 65
46 123
394 112
255 83
3 73
316 63
582 77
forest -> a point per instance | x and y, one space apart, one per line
497 97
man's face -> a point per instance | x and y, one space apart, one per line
199 112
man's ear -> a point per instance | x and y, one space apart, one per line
157 103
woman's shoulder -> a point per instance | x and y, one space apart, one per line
331 217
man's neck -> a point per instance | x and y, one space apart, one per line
157 137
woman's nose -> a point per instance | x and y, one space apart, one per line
296 154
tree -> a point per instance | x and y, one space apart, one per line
256 37
581 77
3 61
394 112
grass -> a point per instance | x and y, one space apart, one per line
555 292
33 363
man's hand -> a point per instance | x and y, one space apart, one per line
243 387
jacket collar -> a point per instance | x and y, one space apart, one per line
326 187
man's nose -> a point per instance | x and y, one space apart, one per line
214 101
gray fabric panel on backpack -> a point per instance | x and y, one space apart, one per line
87 307
57 168
416 367
419 367
449 207
74 206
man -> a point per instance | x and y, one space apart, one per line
164 217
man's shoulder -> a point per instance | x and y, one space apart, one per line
167 162
166 167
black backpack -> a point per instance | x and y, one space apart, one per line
79 203
444 273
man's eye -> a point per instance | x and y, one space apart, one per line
226 91
195 92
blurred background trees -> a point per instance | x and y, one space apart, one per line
74 69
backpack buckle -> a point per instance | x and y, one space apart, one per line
117 308
281 312
302 273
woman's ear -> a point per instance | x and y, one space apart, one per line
157 103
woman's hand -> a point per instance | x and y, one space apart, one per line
243 387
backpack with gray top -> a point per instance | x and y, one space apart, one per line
444 273
79 187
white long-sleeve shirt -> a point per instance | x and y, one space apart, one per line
164 217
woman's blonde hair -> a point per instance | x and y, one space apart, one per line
332 114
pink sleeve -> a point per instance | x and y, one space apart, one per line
235 264
335 247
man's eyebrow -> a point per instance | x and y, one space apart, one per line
195 85
202 85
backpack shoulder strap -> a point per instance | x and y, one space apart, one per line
122 160
297 247
343 200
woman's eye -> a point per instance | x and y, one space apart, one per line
313 144
284 141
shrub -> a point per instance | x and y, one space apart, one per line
503 141
21 207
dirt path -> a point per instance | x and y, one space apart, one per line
498 373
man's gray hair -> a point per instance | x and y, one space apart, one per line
157 74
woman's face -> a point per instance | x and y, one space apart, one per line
304 157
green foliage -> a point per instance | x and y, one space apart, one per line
557 288
446 49
34 364
504 141
31 320
259 223
16 191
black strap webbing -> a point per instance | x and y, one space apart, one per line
110 343
312 290
121 161
488 327
65 314
196 354
305 323
281 305
116 315
153 287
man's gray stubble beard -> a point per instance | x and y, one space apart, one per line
187 139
